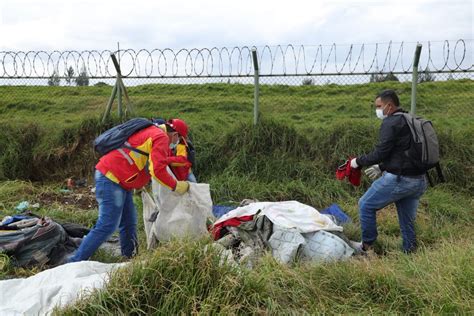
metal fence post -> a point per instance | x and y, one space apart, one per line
257 87
109 104
414 79
119 90
121 86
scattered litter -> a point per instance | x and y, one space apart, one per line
72 183
22 206
81 183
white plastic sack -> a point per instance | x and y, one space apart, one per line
322 246
287 214
40 293
150 213
285 244
178 215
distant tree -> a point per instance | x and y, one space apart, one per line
426 76
307 82
101 84
54 79
69 75
377 78
382 78
391 77
83 78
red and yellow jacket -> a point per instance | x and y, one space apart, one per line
133 170
179 163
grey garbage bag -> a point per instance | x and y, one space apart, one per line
169 215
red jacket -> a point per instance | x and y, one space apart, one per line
179 163
133 170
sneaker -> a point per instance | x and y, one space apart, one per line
360 248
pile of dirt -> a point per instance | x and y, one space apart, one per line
81 198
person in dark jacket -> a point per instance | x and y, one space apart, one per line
401 182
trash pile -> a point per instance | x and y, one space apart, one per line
31 240
290 230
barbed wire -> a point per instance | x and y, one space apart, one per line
281 60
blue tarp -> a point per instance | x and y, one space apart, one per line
219 210
336 211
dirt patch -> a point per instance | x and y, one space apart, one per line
82 198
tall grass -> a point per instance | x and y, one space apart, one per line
181 277
305 133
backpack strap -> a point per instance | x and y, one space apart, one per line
128 146
126 156
440 173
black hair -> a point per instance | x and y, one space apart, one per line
169 129
389 95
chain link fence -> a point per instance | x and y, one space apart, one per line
299 79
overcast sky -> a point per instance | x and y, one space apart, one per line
98 25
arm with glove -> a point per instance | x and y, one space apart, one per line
158 163
373 172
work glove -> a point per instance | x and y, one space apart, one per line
181 187
354 163
373 172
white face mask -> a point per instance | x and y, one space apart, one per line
379 113
173 145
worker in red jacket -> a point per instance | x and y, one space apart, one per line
117 174
180 161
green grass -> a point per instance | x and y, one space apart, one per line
305 133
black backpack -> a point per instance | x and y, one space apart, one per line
117 136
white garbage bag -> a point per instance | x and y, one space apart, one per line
286 244
59 286
169 215
323 246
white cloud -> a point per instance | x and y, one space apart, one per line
79 25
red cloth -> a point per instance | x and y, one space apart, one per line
352 174
234 222
179 163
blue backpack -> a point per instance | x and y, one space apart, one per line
117 136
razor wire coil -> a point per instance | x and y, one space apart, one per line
280 60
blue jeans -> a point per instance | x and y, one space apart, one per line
405 192
116 210
192 178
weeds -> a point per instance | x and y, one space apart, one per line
291 155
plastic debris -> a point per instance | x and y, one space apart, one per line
22 206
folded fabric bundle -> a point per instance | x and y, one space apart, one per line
346 171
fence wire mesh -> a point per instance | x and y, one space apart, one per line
330 76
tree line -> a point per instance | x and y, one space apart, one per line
82 78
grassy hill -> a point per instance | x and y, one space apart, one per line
305 132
